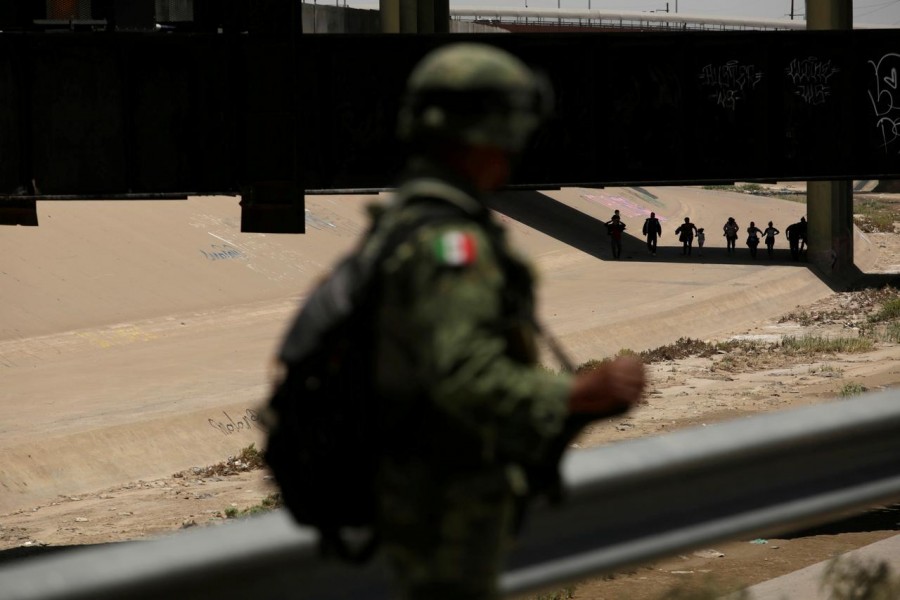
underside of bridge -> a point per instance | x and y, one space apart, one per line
829 203
231 98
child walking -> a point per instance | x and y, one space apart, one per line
701 237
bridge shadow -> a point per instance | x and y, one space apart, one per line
588 234
882 518
564 223
26 552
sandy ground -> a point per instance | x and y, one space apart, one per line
139 335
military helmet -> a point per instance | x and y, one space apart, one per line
476 94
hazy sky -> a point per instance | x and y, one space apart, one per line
883 12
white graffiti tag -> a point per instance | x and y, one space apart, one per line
730 82
885 99
810 77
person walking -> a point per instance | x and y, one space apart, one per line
801 236
685 233
701 239
473 415
796 233
753 233
769 235
730 230
652 229
615 229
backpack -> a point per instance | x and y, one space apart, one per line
323 443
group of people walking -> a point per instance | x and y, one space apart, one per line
687 232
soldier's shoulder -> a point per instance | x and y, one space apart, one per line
454 243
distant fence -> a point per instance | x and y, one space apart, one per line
626 503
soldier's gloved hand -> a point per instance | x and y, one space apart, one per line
610 389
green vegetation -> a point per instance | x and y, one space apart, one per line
852 389
864 309
798 197
891 333
744 355
248 459
890 310
270 502
750 188
681 348
812 345
746 188
874 214
749 353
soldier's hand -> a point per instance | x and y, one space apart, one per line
610 389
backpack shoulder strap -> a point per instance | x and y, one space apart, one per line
346 288
424 201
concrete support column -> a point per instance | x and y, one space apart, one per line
425 16
408 16
829 204
441 10
829 14
415 16
390 15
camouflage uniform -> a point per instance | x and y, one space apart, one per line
465 406
465 409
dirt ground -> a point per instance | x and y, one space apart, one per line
684 392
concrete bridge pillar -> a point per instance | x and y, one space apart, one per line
829 208
415 16
390 15
829 204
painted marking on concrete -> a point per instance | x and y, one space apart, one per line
627 208
117 336
222 252
243 422
317 222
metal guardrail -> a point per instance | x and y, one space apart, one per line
627 19
626 503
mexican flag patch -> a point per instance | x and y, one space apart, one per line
456 249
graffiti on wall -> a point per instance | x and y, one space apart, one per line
885 99
729 83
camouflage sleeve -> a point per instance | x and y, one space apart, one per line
443 296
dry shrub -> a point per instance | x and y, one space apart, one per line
249 459
814 345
